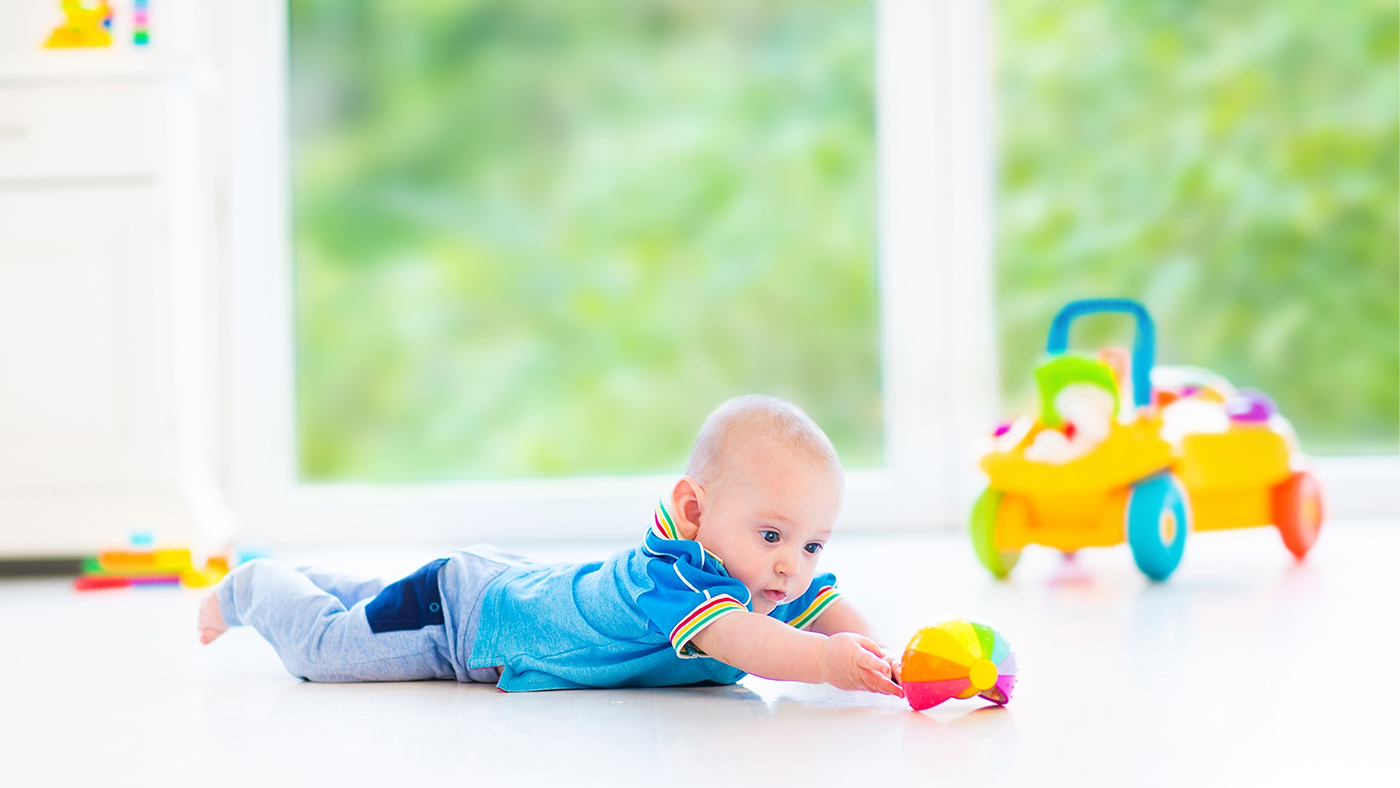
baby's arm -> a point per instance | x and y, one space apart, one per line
842 616
769 648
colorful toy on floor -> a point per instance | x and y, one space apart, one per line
144 565
957 659
1126 451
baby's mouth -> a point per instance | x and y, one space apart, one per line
775 596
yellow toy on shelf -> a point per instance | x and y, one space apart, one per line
1122 451
86 23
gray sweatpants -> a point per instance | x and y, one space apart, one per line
330 627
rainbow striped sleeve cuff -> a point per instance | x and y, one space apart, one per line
705 614
825 597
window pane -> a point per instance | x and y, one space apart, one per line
1234 166
546 238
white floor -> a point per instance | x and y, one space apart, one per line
1243 669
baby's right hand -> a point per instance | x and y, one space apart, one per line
855 662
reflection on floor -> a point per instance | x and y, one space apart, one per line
1243 669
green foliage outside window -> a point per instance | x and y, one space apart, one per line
540 238
1233 165
543 238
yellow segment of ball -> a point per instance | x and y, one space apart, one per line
983 674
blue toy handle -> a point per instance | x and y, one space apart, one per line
1144 343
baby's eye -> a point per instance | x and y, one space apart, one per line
770 537
813 548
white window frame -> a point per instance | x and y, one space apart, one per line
937 335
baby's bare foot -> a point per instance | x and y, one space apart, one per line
211 621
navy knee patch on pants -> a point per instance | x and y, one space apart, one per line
411 603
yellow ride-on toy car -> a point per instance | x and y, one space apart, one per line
1123 451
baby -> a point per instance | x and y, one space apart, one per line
724 583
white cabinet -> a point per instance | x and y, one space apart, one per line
107 343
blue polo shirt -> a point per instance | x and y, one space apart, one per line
624 622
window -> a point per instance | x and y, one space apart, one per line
540 239
907 323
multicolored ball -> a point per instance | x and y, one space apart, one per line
957 659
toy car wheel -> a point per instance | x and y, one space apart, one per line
1298 512
984 528
1158 519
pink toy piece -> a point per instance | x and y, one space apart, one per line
927 694
1006 684
1250 407
156 580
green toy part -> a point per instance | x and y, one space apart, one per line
984 528
1054 375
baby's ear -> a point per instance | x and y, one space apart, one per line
686 501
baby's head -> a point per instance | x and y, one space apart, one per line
762 490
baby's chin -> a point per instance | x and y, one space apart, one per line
762 605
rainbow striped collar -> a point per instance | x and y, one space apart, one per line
663 526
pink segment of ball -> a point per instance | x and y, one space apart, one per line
927 694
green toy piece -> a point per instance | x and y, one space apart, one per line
1064 370
984 525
